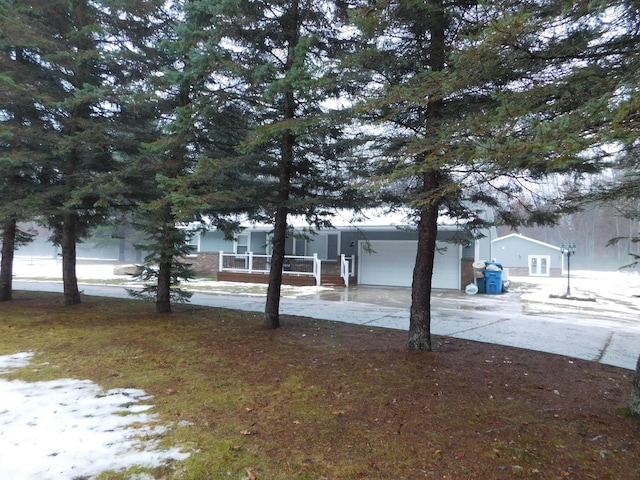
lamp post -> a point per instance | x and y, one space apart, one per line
568 251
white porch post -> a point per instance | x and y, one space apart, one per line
344 269
220 261
317 269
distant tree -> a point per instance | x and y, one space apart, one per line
121 232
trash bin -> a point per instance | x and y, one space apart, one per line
493 266
478 274
493 279
493 287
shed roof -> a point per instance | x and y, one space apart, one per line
518 235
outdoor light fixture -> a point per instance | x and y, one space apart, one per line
568 251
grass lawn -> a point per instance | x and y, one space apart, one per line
325 400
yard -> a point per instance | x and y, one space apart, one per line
325 400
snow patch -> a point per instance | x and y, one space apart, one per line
67 428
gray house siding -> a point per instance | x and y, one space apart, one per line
342 241
330 244
515 252
350 238
484 247
213 241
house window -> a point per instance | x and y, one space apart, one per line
325 245
295 246
318 245
539 265
193 242
299 246
241 244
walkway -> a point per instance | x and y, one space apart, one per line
571 330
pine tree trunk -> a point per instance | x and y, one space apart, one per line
272 307
163 293
9 230
121 250
288 140
68 246
634 404
420 313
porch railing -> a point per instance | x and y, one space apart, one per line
347 268
256 263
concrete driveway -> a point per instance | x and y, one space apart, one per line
574 329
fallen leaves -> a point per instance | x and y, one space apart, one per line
338 419
250 474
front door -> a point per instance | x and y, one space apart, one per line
539 265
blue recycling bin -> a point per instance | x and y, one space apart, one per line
493 281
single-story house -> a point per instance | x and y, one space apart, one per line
382 255
524 256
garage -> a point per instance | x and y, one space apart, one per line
391 262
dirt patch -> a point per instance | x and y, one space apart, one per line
326 400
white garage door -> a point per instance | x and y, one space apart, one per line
391 264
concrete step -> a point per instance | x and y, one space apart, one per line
332 281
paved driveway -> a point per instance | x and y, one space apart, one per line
571 328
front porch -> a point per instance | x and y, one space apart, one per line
297 271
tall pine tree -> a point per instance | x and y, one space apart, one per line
281 61
69 63
476 105
24 140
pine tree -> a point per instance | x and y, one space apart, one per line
25 139
187 172
479 103
73 57
280 60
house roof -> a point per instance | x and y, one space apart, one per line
518 235
346 220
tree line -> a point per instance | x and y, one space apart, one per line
154 114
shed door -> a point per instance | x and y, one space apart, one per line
539 265
392 262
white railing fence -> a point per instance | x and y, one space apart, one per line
256 263
293 265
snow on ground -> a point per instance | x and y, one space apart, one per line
65 429
613 292
48 269
69 428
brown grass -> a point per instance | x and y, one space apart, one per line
326 400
